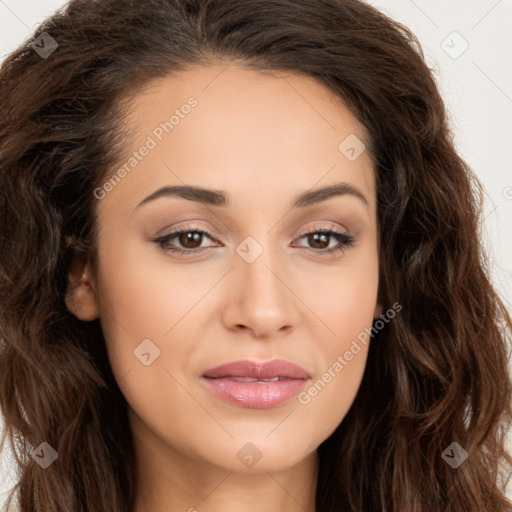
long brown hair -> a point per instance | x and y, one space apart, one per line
436 374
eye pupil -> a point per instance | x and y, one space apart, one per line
190 237
314 240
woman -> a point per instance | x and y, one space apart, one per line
241 267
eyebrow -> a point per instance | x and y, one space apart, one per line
221 198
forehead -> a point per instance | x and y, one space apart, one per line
237 129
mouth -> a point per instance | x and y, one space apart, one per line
256 385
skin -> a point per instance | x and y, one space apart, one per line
263 139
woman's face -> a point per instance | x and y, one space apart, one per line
258 287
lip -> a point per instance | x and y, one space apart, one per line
240 382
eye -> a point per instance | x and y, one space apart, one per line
190 239
189 236
320 240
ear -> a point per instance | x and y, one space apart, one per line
378 310
81 295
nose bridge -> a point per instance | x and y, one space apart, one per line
258 265
261 301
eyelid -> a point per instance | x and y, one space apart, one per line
326 227
189 227
160 239
213 236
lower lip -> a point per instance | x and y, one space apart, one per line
256 395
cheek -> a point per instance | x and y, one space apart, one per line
345 305
150 308
135 305
144 298
331 394
142 314
342 356
344 301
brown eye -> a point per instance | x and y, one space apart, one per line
190 239
185 240
320 239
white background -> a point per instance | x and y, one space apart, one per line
476 85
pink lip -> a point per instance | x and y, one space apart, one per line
224 381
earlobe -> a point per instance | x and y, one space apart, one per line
80 297
378 311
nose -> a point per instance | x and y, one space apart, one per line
262 298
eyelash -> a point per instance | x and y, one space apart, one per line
345 240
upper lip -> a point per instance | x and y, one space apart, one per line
258 370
